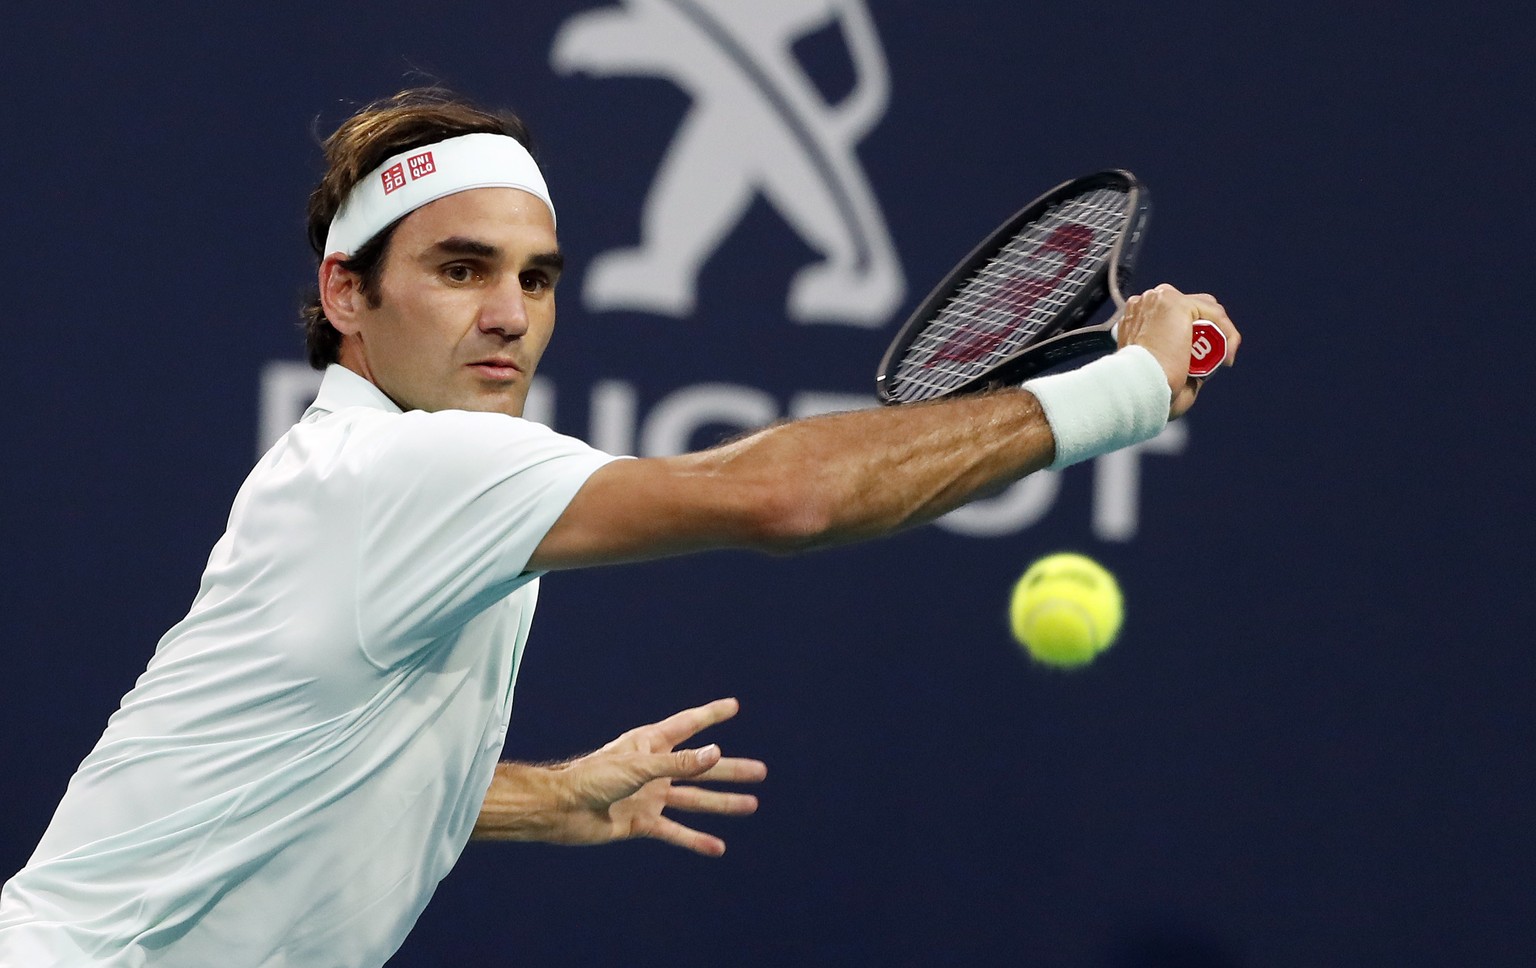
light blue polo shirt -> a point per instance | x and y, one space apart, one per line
306 754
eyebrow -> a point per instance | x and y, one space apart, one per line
461 245
553 260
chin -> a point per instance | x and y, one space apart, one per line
509 403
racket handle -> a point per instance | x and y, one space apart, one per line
1208 349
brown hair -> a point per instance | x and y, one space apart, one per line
413 118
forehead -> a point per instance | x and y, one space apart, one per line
500 216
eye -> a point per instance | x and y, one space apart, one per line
535 280
460 272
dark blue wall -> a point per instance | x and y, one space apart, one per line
1313 744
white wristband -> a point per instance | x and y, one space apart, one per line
1113 402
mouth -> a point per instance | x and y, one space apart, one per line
496 368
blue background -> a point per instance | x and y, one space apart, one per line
1313 744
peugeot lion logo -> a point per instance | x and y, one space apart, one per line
758 125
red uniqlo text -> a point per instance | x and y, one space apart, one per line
394 177
421 165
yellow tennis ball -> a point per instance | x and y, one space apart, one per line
1066 609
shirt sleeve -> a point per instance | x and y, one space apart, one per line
454 504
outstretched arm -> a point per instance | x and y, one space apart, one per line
621 791
850 476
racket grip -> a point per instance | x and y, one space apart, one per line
1208 349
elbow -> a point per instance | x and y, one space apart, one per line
789 519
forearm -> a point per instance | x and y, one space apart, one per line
524 802
872 472
850 476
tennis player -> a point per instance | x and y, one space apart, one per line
311 747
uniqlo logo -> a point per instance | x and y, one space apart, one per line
421 165
394 177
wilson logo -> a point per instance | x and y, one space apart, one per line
1016 296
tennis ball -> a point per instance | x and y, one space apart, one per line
1066 609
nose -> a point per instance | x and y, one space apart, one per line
504 312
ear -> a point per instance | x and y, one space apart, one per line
341 295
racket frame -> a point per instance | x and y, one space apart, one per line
1064 338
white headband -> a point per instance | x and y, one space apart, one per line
413 178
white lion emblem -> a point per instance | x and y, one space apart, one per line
757 126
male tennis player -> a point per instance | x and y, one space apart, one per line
310 749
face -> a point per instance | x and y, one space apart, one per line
465 305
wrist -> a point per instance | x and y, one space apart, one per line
524 802
1113 402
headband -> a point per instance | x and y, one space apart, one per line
413 178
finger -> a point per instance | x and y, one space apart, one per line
696 800
679 727
624 773
1206 307
1185 398
674 833
1234 340
1213 310
735 769
680 763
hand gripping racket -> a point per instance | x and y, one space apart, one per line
1023 300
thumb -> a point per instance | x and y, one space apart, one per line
681 764
685 763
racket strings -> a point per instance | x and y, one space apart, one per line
1016 297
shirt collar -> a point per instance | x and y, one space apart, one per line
342 388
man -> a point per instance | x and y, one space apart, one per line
311 747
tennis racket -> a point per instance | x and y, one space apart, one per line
1024 300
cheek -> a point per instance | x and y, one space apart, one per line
420 321
545 331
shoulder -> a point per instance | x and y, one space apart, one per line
467 436
458 452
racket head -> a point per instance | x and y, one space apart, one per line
1020 302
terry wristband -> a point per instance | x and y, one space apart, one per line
1113 402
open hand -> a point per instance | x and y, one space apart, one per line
622 790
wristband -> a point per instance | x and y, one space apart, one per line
1113 402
